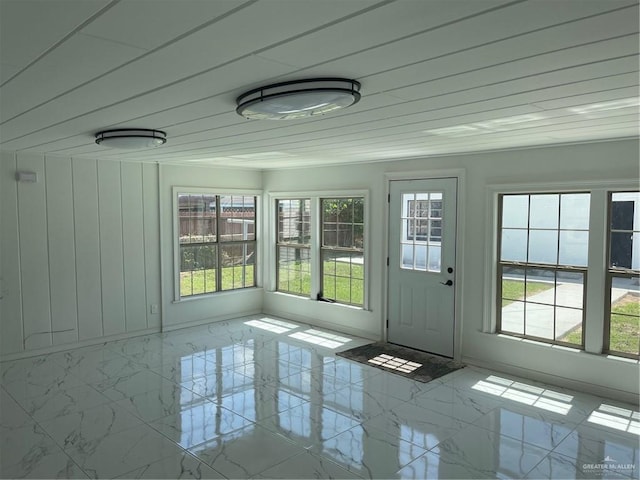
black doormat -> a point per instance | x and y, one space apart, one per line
409 363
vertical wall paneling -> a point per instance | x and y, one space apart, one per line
133 245
151 240
11 339
111 250
87 240
79 251
62 257
34 254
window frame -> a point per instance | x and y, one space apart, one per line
610 274
270 252
347 250
297 246
177 191
597 261
555 268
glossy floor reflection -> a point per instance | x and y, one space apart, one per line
266 398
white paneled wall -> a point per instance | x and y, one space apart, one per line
80 256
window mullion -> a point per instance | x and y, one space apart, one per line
596 273
218 246
315 243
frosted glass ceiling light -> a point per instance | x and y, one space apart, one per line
131 138
298 99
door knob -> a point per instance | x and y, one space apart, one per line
448 283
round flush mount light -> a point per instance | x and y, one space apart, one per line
131 138
298 99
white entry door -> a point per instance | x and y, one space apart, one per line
422 240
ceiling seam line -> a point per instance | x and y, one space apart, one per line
265 49
202 72
526 57
470 89
364 123
405 86
523 77
442 108
385 71
537 30
396 116
63 39
150 52
255 52
378 73
386 91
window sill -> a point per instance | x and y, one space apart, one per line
314 301
564 348
212 295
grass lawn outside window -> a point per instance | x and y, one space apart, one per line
204 281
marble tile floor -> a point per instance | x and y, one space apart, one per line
261 397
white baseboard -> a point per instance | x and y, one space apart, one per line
204 321
563 382
323 324
68 346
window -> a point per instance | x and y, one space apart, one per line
622 317
293 249
217 242
424 209
542 268
422 231
319 247
342 250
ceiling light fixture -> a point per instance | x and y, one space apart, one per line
131 138
298 99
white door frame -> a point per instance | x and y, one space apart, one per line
459 174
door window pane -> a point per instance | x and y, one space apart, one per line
420 257
408 258
421 239
435 256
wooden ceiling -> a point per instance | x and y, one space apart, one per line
438 76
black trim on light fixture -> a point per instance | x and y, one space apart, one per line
280 91
147 138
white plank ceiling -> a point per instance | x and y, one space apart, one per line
438 76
